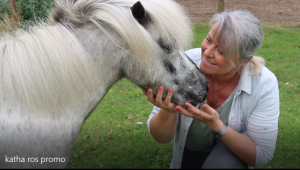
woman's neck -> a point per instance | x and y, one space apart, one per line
221 79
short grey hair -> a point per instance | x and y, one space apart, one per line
237 32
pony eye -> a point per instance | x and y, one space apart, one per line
165 47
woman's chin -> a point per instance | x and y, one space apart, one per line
205 69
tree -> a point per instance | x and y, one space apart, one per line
221 6
14 15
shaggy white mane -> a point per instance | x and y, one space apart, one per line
44 68
168 16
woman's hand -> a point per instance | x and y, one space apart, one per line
157 101
208 115
163 123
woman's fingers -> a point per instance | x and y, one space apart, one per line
193 112
144 91
169 96
191 108
158 99
184 111
208 115
208 109
155 100
150 96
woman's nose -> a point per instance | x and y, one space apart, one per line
209 52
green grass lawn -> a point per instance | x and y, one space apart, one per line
113 138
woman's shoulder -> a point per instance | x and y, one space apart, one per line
266 80
194 52
260 83
268 76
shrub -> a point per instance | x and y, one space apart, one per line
4 8
29 9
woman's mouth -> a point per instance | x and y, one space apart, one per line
209 63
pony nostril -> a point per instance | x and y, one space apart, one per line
207 88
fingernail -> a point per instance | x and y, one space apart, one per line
176 108
186 104
149 91
160 88
205 106
170 90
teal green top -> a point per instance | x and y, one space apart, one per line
199 137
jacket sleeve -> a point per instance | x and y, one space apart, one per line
263 123
153 112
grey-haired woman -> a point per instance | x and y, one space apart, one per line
237 125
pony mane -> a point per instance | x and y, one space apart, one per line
169 18
44 68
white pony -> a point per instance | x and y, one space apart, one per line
54 74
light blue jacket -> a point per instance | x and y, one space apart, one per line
254 112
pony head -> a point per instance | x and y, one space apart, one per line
170 30
145 41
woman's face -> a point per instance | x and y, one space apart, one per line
212 59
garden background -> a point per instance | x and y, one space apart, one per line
116 135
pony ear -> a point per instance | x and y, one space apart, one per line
139 12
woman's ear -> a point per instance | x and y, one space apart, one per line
244 63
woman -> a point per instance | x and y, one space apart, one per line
237 126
